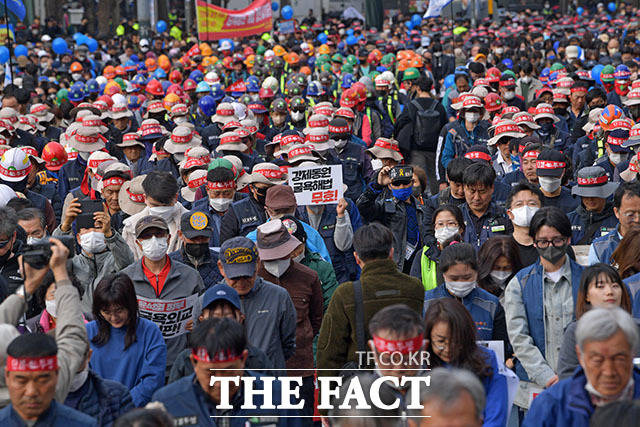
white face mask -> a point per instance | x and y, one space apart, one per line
79 380
298 258
50 306
499 51
220 205
76 76
509 95
154 248
471 117
93 242
277 267
617 158
180 119
442 234
522 215
499 275
460 289
376 164
526 79
339 143
35 240
296 116
549 184
164 212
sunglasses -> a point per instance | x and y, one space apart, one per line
4 243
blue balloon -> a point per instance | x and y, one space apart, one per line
92 44
555 46
82 39
59 45
611 6
76 36
322 38
161 26
275 6
286 12
4 54
409 25
350 32
580 10
416 20
21 50
351 40
449 81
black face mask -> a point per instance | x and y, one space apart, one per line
260 195
196 250
18 186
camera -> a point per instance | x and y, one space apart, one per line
401 175
37 255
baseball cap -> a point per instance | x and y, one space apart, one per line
221 292
150 221
239 257
196 224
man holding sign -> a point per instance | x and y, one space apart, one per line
389 200
167 290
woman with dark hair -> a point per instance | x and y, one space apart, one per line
539 302
451 336
459 267
600 287
126 348
448 225
498 261
626 255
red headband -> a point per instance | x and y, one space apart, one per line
323 137
38 108
578 89
338 129
634 132
225 111
92 123
291 139
230 139
318 123
136 197
478 155
220 185
201 354
87 139
299 152
114 180
195 183
94 163
550 164
402 346
615 141
30 151
531 154
591 181
508 128
150 129
182 139
32 364
387 145
270 173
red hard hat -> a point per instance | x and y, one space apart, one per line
54 155
107 99
189 85
154 87
493 75
266 93
177 89
175 77
493 102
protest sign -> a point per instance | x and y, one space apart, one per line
170 316
215 23
316 185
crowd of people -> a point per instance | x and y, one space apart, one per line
149 236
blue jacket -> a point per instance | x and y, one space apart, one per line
344 263
531 279
494 223
581 219
70 176
208 268
633 282
564 200
567 403
315 243
189 405
482 306
216 219
104 400
141 367
458 140
56 416
604 246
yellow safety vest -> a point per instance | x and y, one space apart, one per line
428 269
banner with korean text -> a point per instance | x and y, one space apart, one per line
316 185
215 23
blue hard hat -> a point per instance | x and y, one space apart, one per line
315 89
507 62
165 85
196 76
348 80
159 73
93 86
139 80
134 102
207 105
252 86
217 92
203 87
76 93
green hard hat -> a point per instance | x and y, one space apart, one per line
337 58
61 94
410 74
351 59
261 50
220 163
347 68
510 73
556 66
388 59
606 75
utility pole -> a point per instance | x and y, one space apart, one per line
144 17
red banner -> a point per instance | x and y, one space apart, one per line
215 23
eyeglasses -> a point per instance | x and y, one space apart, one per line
556 241
4 243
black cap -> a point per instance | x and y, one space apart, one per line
550 163
196 224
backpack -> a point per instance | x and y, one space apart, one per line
426 128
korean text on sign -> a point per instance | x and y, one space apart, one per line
170 316
316 185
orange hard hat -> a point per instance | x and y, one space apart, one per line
112 87
120 71
279 50
324 49
292 58
305 70
109 72
150 63
403 54
164 63
170 100
205 49
403 64
251 59
416 62
76 67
